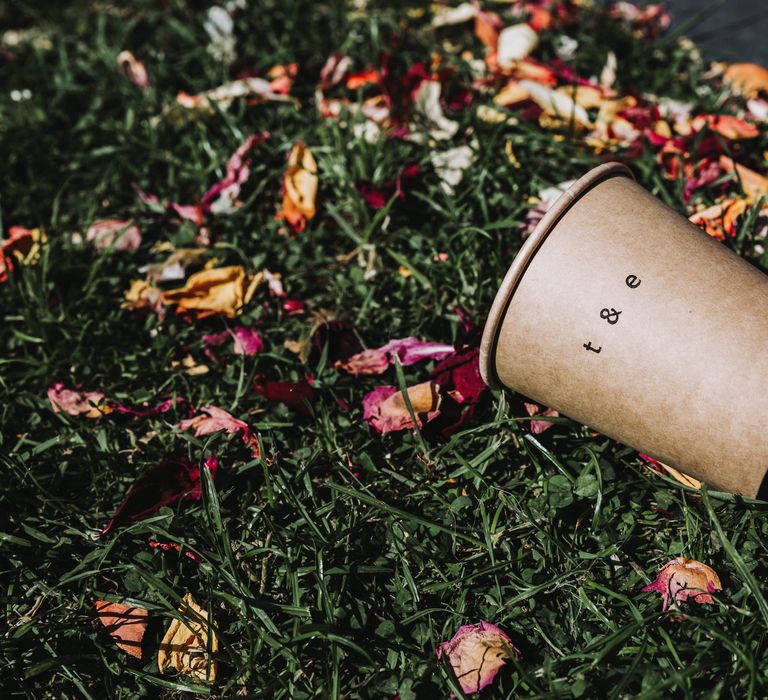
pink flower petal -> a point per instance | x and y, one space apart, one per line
386 411
247 341
459 374
681 579
133 69
539 426
114 233
408 350
76 403
476 654
221 198
212 419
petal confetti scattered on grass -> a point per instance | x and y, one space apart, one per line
126 624
222 290
300 184
190 644
407 350
682 579
477 653
164 484
90 404
386 411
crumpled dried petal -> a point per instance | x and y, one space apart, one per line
133 69
22 245
443 16
114 233
753 183
746 78
296 395
429 113
681 579
540 426
726 125
459 375
221 290
142 295
450 165
77 403
212 419
386 411
223 95
408 350
674 473
189 645
720 219
166 483
221 198
515 43
476 654
175 547
126 625
300 184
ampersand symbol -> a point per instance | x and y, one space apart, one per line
633 282
610 315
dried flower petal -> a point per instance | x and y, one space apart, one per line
539 426
189 645
22 245
221 290
408 350
126 625
476 654
114 233
515 43
746 78
681 579
133 69
165 483
75 403
300 184
386 411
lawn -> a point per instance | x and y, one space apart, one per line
168 429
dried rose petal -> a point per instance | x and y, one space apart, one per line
408 350
133 69
212 419
386 411
300 183
220 290
222 198
459 375
126 625
22 245
76 403
539 426
295 395
165 483
189 646
114 233
476 654
683 578
174 547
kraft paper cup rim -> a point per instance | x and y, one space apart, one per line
526 254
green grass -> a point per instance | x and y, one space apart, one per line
334 565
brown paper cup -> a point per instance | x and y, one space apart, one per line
621 314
